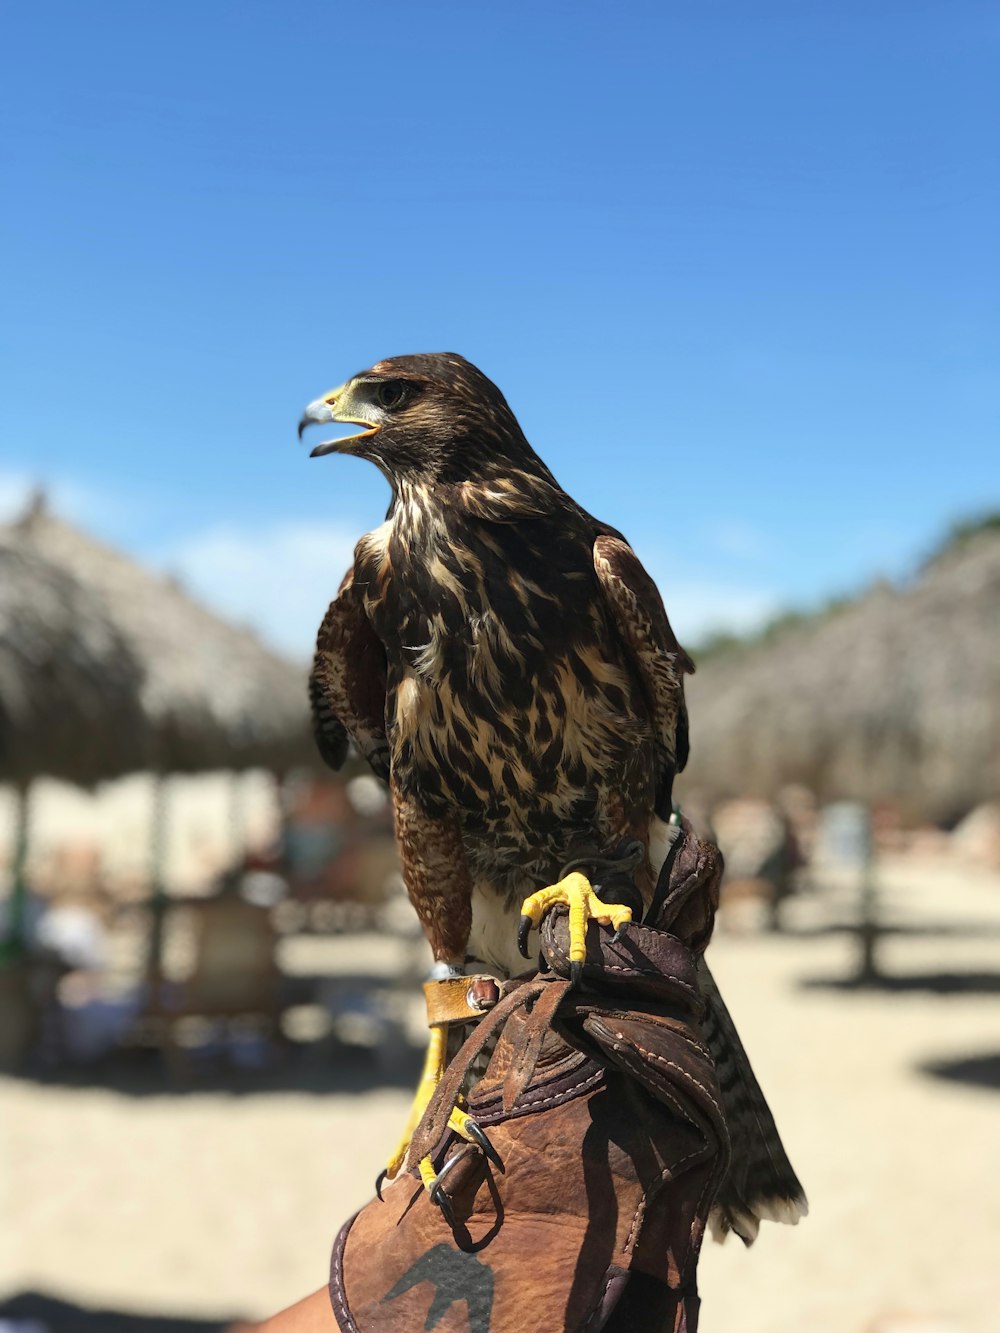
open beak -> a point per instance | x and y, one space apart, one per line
331 407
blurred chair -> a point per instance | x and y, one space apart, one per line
234 983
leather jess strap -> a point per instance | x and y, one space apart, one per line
460 999
435 1118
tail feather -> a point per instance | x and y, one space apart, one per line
760 1184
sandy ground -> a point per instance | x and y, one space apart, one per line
211 1204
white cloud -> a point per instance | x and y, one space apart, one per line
72 499
733 537
14 492
698 608
702 602
279 579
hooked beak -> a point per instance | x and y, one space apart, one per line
333 407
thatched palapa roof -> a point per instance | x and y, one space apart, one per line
212 694
895 696
69 686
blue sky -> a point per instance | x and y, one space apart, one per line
734 266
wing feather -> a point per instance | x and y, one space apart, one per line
347 683
641 619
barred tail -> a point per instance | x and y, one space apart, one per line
760 1184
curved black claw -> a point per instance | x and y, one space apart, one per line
379 1182
576 974
523 931
478 1137
437 1195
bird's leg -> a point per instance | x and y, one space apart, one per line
435 1061
430 1077
577 893
440 887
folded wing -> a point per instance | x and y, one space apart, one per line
347 684
658 659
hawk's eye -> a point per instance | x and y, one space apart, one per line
391 393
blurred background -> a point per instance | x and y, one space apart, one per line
735 270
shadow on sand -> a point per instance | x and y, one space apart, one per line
966 930
978 1071
910 983
315 1067
38 1313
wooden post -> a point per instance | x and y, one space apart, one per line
15 937
159 815
868 932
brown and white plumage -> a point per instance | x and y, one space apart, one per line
498 655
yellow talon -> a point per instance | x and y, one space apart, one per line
462 1124
577 893
467 1128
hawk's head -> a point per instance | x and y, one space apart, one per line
428 417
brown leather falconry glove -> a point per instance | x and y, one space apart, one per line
608 1146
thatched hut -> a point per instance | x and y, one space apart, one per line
69 708
894 697
209 694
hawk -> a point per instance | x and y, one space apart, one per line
503 660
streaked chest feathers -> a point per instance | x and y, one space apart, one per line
504 702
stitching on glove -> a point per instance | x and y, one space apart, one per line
666 1174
